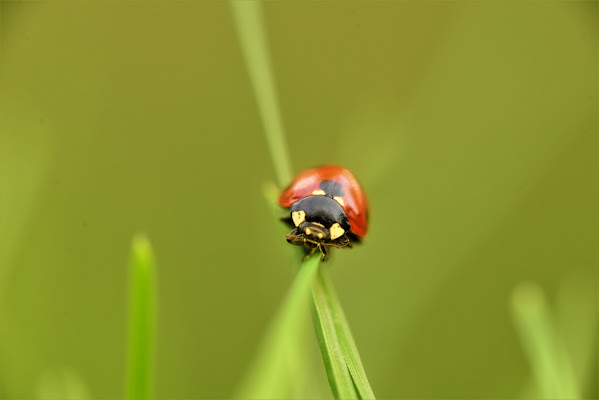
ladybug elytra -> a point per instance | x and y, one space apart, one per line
327 209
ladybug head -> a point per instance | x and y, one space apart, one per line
314 231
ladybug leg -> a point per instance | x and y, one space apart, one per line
293 238
323 250
343 241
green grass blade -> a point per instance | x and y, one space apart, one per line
269 376
335 363
550 364
142 320
248 20
61 383
576 319
346 339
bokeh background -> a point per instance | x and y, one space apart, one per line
471 125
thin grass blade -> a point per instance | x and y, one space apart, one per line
346 339
142 320
61 383
340 380
549 361
249 23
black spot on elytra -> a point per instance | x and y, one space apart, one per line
332 189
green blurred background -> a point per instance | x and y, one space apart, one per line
472 126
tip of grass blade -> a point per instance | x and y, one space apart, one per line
142 319
548 358
61 383
528 298
142 251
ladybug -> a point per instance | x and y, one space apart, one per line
327 208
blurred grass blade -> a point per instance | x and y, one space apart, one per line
26 154
142 320
270 377
346 340
248 20
63 383
576 318
549 361
340 380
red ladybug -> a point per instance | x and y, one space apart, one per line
327 208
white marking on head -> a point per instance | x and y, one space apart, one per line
336 231
339 200
318 192
298 217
